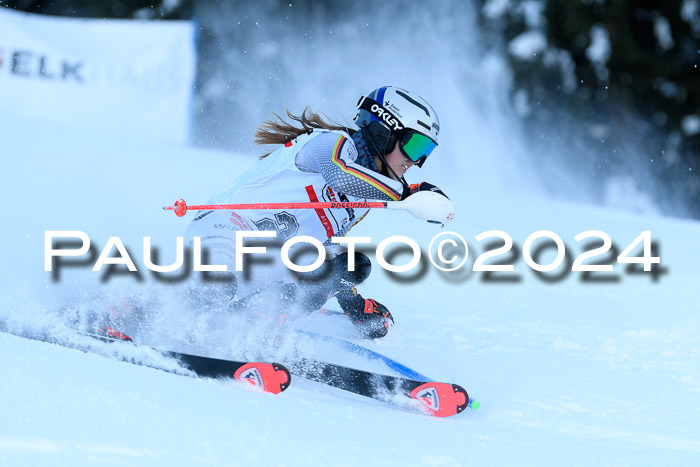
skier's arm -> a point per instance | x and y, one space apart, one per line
333 156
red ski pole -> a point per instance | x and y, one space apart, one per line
423 205
180 207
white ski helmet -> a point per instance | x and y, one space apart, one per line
391 114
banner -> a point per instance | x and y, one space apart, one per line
129 78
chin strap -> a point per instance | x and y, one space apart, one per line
385 167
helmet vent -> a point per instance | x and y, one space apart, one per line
424 125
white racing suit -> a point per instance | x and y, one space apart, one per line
317 166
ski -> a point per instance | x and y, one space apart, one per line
262 376
268 377
435 398
438 399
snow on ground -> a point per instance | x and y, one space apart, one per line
567 372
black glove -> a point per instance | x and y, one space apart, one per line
425 186
369 316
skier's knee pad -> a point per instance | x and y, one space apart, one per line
363 267
316 289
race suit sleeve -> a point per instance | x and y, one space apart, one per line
333 156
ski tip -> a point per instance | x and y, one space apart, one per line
441 399
268 377
474 404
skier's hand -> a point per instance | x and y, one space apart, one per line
425 186
428 206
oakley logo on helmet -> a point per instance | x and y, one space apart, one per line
386 117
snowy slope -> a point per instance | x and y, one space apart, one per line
567 372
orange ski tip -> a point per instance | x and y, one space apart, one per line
441 399
268 377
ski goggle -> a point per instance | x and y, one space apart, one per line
416 146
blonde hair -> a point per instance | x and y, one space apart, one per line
280 131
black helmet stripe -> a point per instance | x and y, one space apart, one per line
414 102
423 125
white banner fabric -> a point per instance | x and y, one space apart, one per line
129 78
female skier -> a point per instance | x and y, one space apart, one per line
319 160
